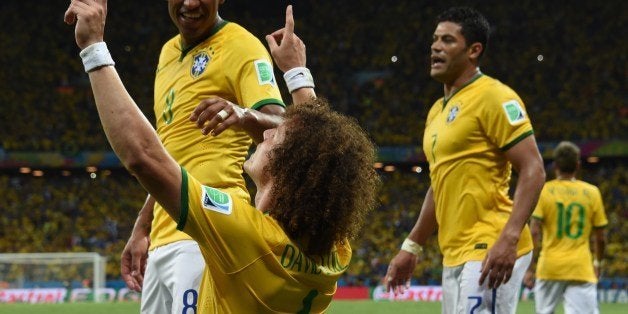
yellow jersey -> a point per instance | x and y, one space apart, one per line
255 266
464 141
568 211
231 63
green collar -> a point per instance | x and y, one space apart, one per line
473 79
215 29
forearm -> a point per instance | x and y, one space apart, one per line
303 95
599 245
426 225
535 229
127 129
134 140
529 185
144 219
256 122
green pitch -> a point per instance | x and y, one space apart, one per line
337 307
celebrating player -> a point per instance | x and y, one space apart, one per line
569 210
313 173
203 72
473 136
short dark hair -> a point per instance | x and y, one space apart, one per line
474 26
566 157
324 182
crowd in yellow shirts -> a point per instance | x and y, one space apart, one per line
78 214
370 60
572 88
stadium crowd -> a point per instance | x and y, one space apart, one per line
370 60
379 75
76 213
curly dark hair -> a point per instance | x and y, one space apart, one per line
474 26
324 183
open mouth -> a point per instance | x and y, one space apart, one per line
436 61
190 16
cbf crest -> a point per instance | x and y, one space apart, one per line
453 113
201 60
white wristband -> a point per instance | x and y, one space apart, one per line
297 78
95 56
411 247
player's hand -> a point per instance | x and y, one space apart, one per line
499 262
216 115
89 16
400 271
134 258
287 49
528 279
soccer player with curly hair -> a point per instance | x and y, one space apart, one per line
314 176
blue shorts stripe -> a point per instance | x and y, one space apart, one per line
494 301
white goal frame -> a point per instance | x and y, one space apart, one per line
98 263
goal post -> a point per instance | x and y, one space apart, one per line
53 270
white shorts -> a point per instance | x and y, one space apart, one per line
463 295
172 279
580 297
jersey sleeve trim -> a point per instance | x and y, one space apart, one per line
601 226
268 101
537 217
517 140
183 215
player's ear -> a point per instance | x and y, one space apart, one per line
475 50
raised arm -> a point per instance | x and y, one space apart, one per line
130 134
288 51
500 259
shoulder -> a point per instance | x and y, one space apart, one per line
172 43
495 91
240 38
589 187
438 104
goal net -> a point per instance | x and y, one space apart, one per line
51 277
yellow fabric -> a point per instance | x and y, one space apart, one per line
568 211
221 66
464 142
255 267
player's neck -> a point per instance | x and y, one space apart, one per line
263 196
461 81
566 176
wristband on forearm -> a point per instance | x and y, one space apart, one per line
411 247
298 77
95 56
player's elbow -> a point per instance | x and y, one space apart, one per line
536 172
140 161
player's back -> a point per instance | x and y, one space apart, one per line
569 210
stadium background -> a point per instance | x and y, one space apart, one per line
61 189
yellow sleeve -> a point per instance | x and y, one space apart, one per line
250 73
505 120
599 215
538 210
226 228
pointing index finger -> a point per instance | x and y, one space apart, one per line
289 23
